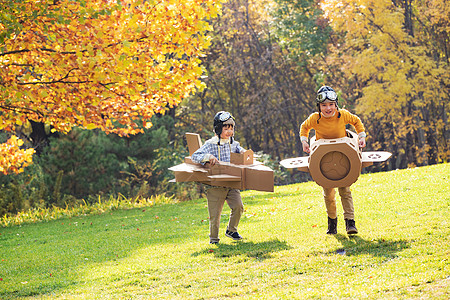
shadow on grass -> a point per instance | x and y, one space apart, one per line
255 198
261 250
355 245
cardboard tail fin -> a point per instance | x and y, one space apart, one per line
193 142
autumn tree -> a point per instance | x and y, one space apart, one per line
395 58
13 159
302 30
251 74
98 64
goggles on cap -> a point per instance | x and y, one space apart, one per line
331 95
225 116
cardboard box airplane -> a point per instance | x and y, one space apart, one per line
243 172
335 162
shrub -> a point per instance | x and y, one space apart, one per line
83 165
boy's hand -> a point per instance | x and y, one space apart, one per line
213 161
362 142
306 147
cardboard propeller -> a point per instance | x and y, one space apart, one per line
335 162
243 172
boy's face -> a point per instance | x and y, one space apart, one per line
227 131
328 108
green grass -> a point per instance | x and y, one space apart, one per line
162 252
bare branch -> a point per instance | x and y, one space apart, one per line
26 110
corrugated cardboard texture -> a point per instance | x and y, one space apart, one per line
259 178
226 168
193 142
243 173
300 163
245 158
190 176
335 162
253 177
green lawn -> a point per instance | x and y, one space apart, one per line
162 252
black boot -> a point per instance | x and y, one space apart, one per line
332 226
350 226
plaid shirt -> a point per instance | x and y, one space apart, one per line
221 152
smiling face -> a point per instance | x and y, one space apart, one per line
328 108
227 131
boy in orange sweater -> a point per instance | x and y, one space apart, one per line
329 123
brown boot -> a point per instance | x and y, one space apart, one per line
350 226
332 226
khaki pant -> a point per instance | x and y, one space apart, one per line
216 198
346 199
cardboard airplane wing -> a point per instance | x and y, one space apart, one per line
368 158
243 172
300 163
335 162
189 168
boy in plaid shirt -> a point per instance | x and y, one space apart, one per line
216 149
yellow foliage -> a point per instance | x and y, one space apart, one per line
12 158
102 59
395 54
392 63
80 63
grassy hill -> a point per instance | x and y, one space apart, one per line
162 252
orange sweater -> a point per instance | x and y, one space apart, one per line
331 128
